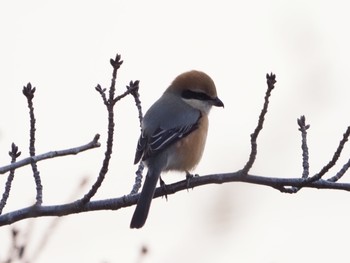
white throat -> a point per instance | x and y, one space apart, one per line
201 105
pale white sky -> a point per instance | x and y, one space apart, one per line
63 48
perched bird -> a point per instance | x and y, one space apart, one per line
174 131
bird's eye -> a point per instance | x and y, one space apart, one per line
190 94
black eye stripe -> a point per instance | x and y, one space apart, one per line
189 94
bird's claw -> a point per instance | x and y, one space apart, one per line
164 188
189 176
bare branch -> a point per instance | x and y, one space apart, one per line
345 166
72 151
102 93
129 200
334 159
340 174
131 89
270 80
303 129
138 179
29 91
116 63
14 154
134 86
135 93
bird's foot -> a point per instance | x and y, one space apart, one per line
189 176
164 188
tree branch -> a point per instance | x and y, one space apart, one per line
129 200
109 103
334 159
14 154
52 154
29 91
271 81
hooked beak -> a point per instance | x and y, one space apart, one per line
217 102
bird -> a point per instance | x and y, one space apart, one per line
173 133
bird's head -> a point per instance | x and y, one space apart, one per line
197 89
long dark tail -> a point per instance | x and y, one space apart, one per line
145 199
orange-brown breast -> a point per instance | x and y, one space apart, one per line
184 161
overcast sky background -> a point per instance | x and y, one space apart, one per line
63 48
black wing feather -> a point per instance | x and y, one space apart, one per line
160 140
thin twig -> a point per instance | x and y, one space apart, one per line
138 179
305 149
29 91
135 93
340 174
334 159
116 63
52 154
14 154
131 89
343 170
134 86
102 93
303 127
271 80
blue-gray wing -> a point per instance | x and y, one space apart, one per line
149 146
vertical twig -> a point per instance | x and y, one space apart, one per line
138 179
116 63
136 95
14 154
110 103
270 80
29 91
303 127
